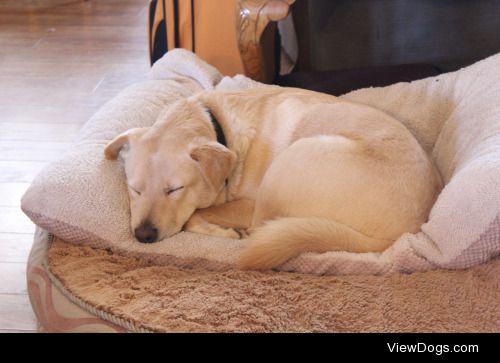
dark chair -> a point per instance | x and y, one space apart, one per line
258 41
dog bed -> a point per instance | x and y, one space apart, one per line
80 289
82 199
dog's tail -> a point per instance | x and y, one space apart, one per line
279 240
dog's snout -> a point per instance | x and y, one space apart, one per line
146 233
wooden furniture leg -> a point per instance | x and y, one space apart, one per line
252 18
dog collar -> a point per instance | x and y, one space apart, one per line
221 138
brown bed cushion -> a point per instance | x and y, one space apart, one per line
162 298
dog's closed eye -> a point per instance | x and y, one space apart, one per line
169 191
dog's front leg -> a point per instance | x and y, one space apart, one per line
197 224
225 220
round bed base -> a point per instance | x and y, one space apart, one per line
74 288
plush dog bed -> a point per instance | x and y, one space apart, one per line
76 288
82 199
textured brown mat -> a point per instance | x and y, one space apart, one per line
169 299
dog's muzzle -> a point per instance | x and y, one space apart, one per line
146 232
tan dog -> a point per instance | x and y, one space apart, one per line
302 171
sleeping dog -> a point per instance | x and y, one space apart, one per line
291 170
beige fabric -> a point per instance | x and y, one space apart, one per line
456 117
54 311
164 298
82 198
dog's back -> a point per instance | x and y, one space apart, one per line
326 174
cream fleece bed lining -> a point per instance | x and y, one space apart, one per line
82 198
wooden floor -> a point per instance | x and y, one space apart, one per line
59 61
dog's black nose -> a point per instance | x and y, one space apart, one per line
146 233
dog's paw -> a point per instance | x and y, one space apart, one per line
198 225
242 232
229 233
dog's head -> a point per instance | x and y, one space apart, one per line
172 169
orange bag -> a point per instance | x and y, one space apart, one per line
206 27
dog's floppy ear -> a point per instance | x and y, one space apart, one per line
216 163
113 148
